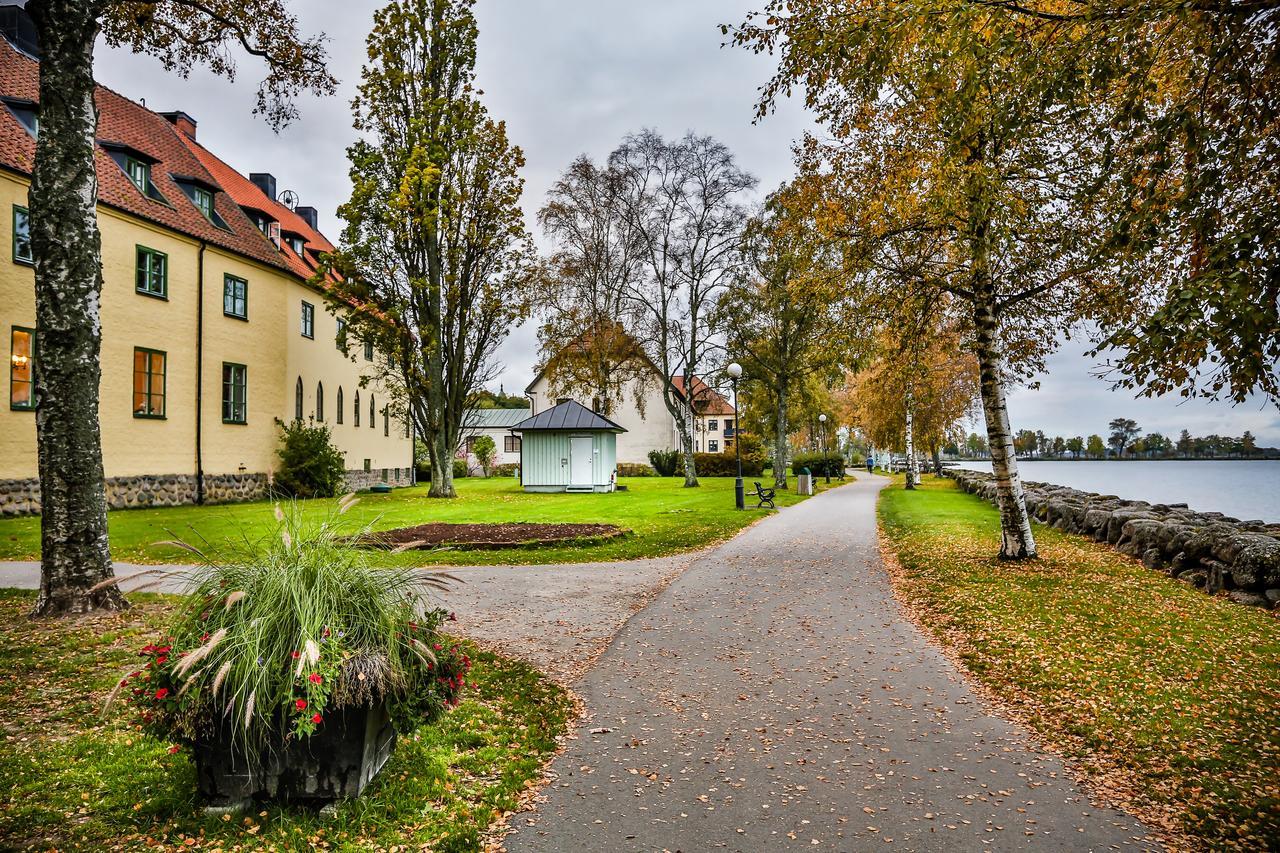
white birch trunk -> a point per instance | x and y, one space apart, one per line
912 474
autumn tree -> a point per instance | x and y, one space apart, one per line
1095 448
67 248
582 294
683 199
435 242
948 131
777 316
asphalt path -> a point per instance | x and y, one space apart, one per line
773 697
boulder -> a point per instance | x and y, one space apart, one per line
1250 599
1257 564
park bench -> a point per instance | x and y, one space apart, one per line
764 497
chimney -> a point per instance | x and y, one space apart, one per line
265 182
309 215
184 123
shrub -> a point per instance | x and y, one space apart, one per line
460 469
666 462
310 466
293 627
819 464
506 469
485 451
635 469
726 464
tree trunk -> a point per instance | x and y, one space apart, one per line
1016 539
780 442
441 468
75 553
686 444
912 474
937 461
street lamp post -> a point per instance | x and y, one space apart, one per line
735 373
826 449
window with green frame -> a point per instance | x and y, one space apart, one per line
148 383
153 273
235 393
308 320
22 368
22 236
203 200
139 173
235 297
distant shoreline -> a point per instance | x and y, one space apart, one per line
1166 459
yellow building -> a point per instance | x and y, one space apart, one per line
211 331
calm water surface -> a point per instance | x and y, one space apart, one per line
1246 490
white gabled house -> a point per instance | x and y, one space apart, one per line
497 424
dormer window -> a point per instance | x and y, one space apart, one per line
203 200
26 112
136 166
296 243
139 173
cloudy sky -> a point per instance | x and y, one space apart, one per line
574 76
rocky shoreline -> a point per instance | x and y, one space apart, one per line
1209 550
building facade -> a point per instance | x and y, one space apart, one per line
212 327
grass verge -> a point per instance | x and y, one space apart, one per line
664 517
1168 700
74 782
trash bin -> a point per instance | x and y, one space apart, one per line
804 486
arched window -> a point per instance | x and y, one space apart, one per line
386 420
339 407
357 408
297 400
320 402
373 413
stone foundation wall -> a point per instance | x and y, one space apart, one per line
359 481
22 497
1209 550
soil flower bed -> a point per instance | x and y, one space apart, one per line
517 534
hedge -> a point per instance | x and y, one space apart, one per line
819 464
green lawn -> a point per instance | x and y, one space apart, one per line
1169 697
665 517
74 782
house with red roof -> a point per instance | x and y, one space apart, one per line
215 324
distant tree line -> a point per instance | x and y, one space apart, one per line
1125 441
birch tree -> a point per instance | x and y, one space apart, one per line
75 557
947 128
582 295
683 200
435 242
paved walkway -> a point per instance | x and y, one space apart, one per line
773 698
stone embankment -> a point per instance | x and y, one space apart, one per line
1209 550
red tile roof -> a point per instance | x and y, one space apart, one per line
130 124
706 400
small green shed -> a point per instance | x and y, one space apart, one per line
568 448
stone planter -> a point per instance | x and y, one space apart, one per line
335 763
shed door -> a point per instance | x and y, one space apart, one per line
580 461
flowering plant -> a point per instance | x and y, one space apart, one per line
296 626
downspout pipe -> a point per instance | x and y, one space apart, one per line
200 375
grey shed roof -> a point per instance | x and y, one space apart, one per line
567 415
495 418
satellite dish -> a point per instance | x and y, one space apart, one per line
289 199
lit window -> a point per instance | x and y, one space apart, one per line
308 320
235 393
22 368
148 383
153 272
22 236
139 174
235 297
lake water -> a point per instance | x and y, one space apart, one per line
1246 490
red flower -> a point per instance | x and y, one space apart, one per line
315 678
162 692
204 638
301 704
296 655
438 647
174 749
162 659
317 719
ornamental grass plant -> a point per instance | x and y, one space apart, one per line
288 629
